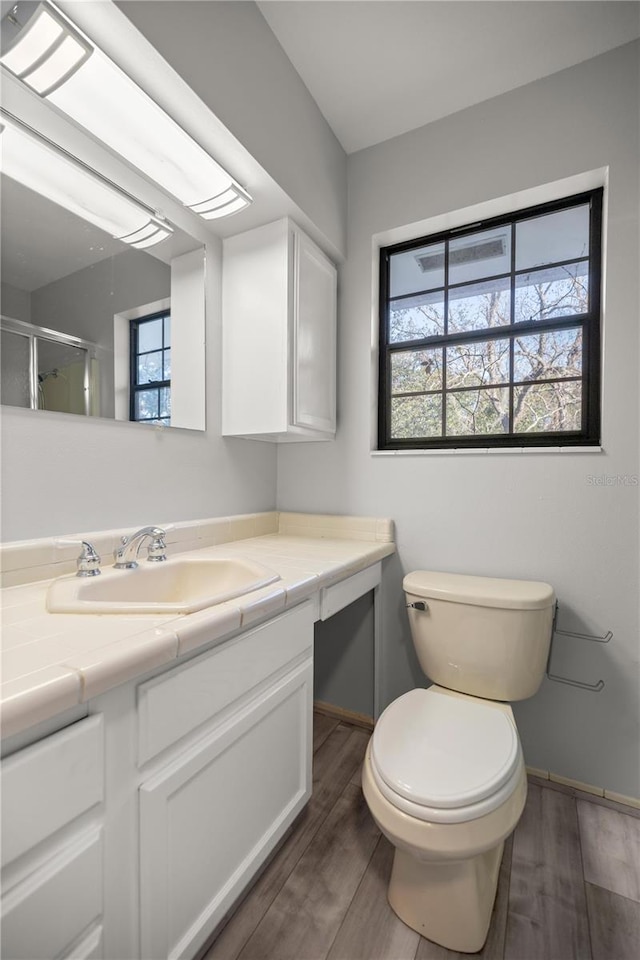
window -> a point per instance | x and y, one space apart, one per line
490 333
150 377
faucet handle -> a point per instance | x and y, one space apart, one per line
157 551
88 563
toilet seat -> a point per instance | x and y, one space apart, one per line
445 759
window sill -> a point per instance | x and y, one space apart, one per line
503 451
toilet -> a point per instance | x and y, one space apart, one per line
444 775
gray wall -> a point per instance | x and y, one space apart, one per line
533 516
343 658
15 303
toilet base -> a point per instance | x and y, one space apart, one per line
448 902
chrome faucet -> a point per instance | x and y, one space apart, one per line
126 555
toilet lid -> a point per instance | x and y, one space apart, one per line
442 751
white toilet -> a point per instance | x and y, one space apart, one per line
444 776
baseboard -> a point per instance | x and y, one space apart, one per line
339 713
584 790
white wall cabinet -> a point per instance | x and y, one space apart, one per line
279 336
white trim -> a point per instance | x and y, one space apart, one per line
463 452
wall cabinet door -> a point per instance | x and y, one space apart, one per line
279 336
314 338
210 818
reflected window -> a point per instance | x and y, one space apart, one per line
150 384
490 333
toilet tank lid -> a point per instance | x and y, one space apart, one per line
480 591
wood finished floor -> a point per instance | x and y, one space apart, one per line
569 885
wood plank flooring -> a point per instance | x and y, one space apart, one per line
569 885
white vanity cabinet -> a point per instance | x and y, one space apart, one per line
279 336
224 745
52 846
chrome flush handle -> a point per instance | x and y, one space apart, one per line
418 605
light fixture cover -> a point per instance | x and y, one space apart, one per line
46 52
40 47
59 178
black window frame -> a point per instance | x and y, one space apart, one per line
134 354
589 434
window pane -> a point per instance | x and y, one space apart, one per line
146 404
554 237
416 417
413 371
483 254
150 335
416 317
547 407
421 269
471 364
554 292
167 331
165 401
167 365
480 305
474 412
545 355
150 368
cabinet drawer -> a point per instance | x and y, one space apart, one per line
171 706
46 913
340 595
49 784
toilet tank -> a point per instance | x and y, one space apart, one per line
479 635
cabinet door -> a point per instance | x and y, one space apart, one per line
208 820
49 910
314 338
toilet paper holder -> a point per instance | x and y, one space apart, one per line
593 687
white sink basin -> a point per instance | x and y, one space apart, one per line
180 585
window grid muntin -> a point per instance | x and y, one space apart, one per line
135 387
587 323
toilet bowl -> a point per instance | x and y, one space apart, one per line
445 782
444 775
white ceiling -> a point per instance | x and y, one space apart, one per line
378 68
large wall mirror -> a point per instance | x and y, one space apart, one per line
92 326
102 297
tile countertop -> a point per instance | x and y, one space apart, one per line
52 662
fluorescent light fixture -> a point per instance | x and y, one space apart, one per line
41 48
46 52
62 180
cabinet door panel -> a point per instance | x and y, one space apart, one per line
208 820
171 706
89 948
49 910
49 784
314 340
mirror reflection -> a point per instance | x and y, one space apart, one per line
93 326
